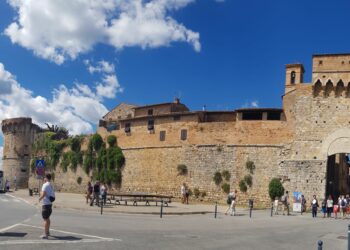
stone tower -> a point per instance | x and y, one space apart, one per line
19 135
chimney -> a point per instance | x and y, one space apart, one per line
177 101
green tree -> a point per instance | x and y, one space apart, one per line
276 188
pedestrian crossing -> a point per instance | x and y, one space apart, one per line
8 199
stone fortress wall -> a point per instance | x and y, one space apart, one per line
292 143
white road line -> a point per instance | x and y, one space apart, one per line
8 228
49 241
17 198
69 233
4 200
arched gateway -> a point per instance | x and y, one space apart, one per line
336 148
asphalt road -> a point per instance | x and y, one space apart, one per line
85 230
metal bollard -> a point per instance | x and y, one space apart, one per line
271 209
348 237
216 209
251 202
101 206
319 243
161 209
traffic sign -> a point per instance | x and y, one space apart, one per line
40 171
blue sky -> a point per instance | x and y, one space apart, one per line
222 54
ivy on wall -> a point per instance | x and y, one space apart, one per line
105 163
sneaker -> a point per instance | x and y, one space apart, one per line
44 237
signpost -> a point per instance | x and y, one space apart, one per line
40 170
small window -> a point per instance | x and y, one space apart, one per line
129 116
183 134
162 136
127 127
119 117
292 77
150 125
274 116
177 118
252 116
150 112
320 62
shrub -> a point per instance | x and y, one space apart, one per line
243 186
75 144
182 169
250 166
96 142
226 188
196 192
190 193
275 188
111 140
217 178
79 180
226 174
248 179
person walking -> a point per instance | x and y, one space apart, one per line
183 193
15 182
303 204
342 205
47 196
276 205
89 190
96 197
324 207
329 206
7 185
187 194
104 193
314 206
231 201
285 202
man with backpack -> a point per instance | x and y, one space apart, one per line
342 205
231 201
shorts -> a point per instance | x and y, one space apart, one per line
46 211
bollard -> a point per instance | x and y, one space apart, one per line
161 209
216 209
348 237
271 209
319 243
101 206
251 202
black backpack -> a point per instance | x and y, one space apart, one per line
229 200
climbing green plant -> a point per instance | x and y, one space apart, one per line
217 178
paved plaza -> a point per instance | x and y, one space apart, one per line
142 228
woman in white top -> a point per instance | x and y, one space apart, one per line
329 206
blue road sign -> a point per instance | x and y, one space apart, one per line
40 167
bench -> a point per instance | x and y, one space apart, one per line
136 198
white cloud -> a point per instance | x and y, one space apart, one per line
77 108
251 104
101 67
58 30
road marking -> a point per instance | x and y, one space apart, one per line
4 200
49 241
8 228
69 233
18 198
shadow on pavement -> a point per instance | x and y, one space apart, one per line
67 238
12 234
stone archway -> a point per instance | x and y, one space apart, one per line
336 147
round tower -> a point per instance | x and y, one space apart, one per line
19 135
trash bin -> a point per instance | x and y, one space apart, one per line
30 192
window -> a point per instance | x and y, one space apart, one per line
292 77
177 118
162 136
150 112
127 127
274 116
150 125
320 62
183 134
113 126
252 115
